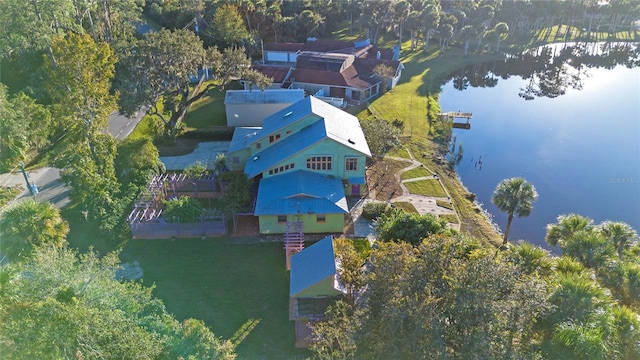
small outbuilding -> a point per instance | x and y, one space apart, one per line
250 107
314 284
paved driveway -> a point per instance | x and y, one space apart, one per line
205 152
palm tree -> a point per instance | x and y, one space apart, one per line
576 297
31 223
401 10
413 25
467 33
531 259
589 247
430 22
501 28
515 196
620 234
566 226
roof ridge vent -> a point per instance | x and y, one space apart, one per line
287 114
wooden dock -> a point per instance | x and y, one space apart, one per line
457 114
452 115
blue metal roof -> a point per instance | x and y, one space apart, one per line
242 138
289 115
312 265
338 125
300 191
357 180
284 149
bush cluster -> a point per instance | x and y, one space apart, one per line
374 210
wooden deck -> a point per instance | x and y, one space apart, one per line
457 114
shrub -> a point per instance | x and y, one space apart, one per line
184 208
374 210
400 225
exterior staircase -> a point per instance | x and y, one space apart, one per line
293 240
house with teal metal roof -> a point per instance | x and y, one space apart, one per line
307 158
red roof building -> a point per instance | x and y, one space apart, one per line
330 69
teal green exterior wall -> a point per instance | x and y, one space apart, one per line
339 153
322 288
334 223
242 155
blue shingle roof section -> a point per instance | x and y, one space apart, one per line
312 265
242 138
285 148
302 192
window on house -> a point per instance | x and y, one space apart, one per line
235 160
282 219
280 169
321 218
258 146
351 164
274 138
288 132
319 162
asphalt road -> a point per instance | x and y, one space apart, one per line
121 126
50 186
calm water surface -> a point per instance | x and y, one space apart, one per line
580 150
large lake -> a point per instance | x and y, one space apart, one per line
581 150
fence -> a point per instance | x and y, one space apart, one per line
160 229
147 221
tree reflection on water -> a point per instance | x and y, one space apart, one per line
551 70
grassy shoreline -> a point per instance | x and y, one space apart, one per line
419 89
421 81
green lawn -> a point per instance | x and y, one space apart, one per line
445 204
415 173
430 187
450 218
406 206
240 291
399 151
8 193
209 110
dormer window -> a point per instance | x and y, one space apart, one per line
274 138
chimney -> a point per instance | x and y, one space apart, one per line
378 55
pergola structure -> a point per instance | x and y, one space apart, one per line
146 220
